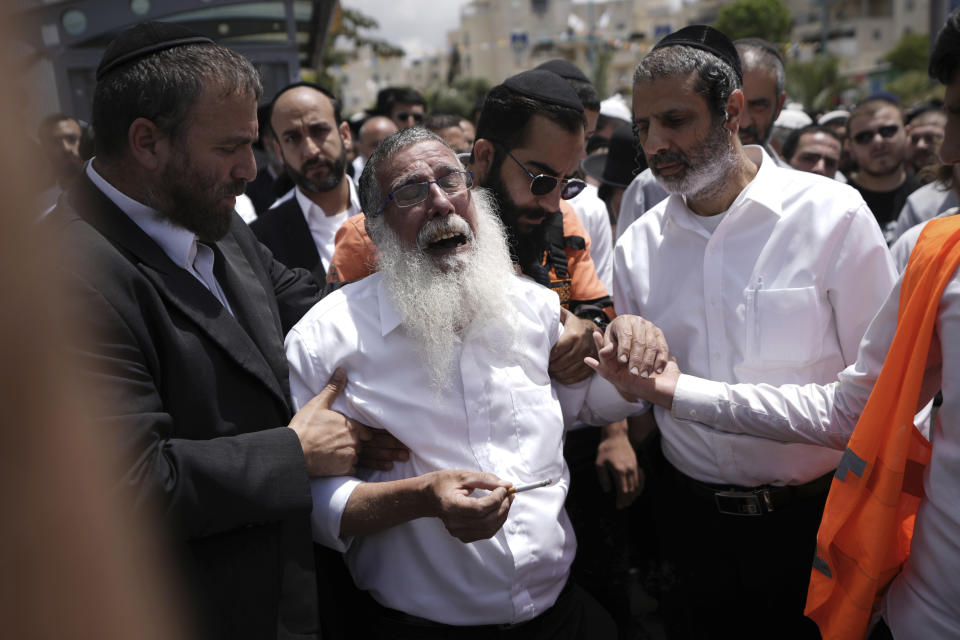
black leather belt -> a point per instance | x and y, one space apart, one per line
755 501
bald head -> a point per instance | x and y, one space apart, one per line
374 131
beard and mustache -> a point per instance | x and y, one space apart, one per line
706 165
442 300
194 200
336 169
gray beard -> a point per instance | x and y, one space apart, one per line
439 306
709 166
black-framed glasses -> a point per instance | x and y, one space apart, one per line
865 137
416 192
541 185
406 115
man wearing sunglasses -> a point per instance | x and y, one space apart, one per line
878 144
405 106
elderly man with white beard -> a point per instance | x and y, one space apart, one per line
448 348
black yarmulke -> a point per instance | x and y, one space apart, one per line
565 69
144 39
706 38
545 86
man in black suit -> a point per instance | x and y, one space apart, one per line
185 313
310 135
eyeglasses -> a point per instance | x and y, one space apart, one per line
416 192
543 184
865 137
406 115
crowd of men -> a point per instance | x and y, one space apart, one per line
406 378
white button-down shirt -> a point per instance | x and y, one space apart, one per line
924 600
782 291
501 414
323 227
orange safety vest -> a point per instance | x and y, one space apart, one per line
867 525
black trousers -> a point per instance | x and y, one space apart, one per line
737 576
575 616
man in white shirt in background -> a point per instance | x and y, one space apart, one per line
373 131
754 273
448 349
311 137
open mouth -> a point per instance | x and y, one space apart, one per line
445 241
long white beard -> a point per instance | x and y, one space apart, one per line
438 306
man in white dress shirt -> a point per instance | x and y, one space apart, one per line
924 599
448 349
754 273
312 138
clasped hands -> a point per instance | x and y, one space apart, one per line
633 355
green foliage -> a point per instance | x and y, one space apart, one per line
910 53
817 84
347 29
914 86
767 19
457 97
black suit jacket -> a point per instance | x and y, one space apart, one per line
284 231
198 400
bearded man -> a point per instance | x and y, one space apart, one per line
449 349
754 273
185 314
311 137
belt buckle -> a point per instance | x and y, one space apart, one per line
743 503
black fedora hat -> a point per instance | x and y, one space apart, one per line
615 167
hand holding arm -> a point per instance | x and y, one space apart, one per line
330 441
576 343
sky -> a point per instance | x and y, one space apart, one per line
418 26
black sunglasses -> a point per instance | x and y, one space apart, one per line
865 137
406 115
541 185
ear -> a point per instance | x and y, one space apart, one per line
148 146
483 154
345 134
734 111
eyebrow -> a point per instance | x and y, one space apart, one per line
542 166
417 176
236 140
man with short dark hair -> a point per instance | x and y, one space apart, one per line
184 313
449 349
754 272
925 133
405 106
878 144
448 127
311 137
814 148
910 350
59 136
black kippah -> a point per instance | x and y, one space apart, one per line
144 39
565 69
706 38
545 86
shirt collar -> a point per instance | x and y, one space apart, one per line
764 190
311 209
389 316
179 244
